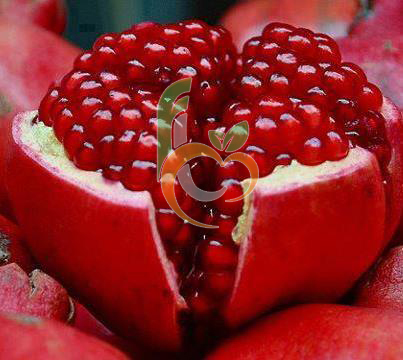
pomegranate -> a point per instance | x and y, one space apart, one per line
36 295
324 140
49 14
22 86
382 287
319 332
12 246
38 339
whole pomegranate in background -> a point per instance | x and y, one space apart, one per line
34 295
319 332
30 59
382 287
326 143
49 14
37 339
248 18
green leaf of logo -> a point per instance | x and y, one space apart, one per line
236 136
216 137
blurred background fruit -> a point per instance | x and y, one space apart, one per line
49 14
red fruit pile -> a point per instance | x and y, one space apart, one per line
300 101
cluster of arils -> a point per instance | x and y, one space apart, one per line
306 68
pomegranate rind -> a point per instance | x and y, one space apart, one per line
311 232
394 133
319 331
76 224
308 233
382 287
37 339
34 295
22 87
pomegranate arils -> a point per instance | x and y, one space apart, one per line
306 68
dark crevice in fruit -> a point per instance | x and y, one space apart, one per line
301 103
4 253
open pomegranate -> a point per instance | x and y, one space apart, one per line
83 178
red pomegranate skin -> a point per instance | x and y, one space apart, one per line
38 339
49 14
22 86
34 295
12 246
382 287
311 332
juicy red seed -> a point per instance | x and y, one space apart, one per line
199 303
251 86
337 81
238 112
62 123
277 32
307 76
286 63
110 80
124 148
147 147
271 105
311 152
231 170
345 110
141 175
335 146
354 70
117 100
263 160
233 190
99 125
113 172
267 132
72 81
169 224
73 140
269 50
87 158
301 42
311 116
183 238
369 98
46 106
279 84
89 106
251 48
216 256
129 119
283 159
218 285
291 129
318 96
328 53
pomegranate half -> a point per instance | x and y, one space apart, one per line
318 217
